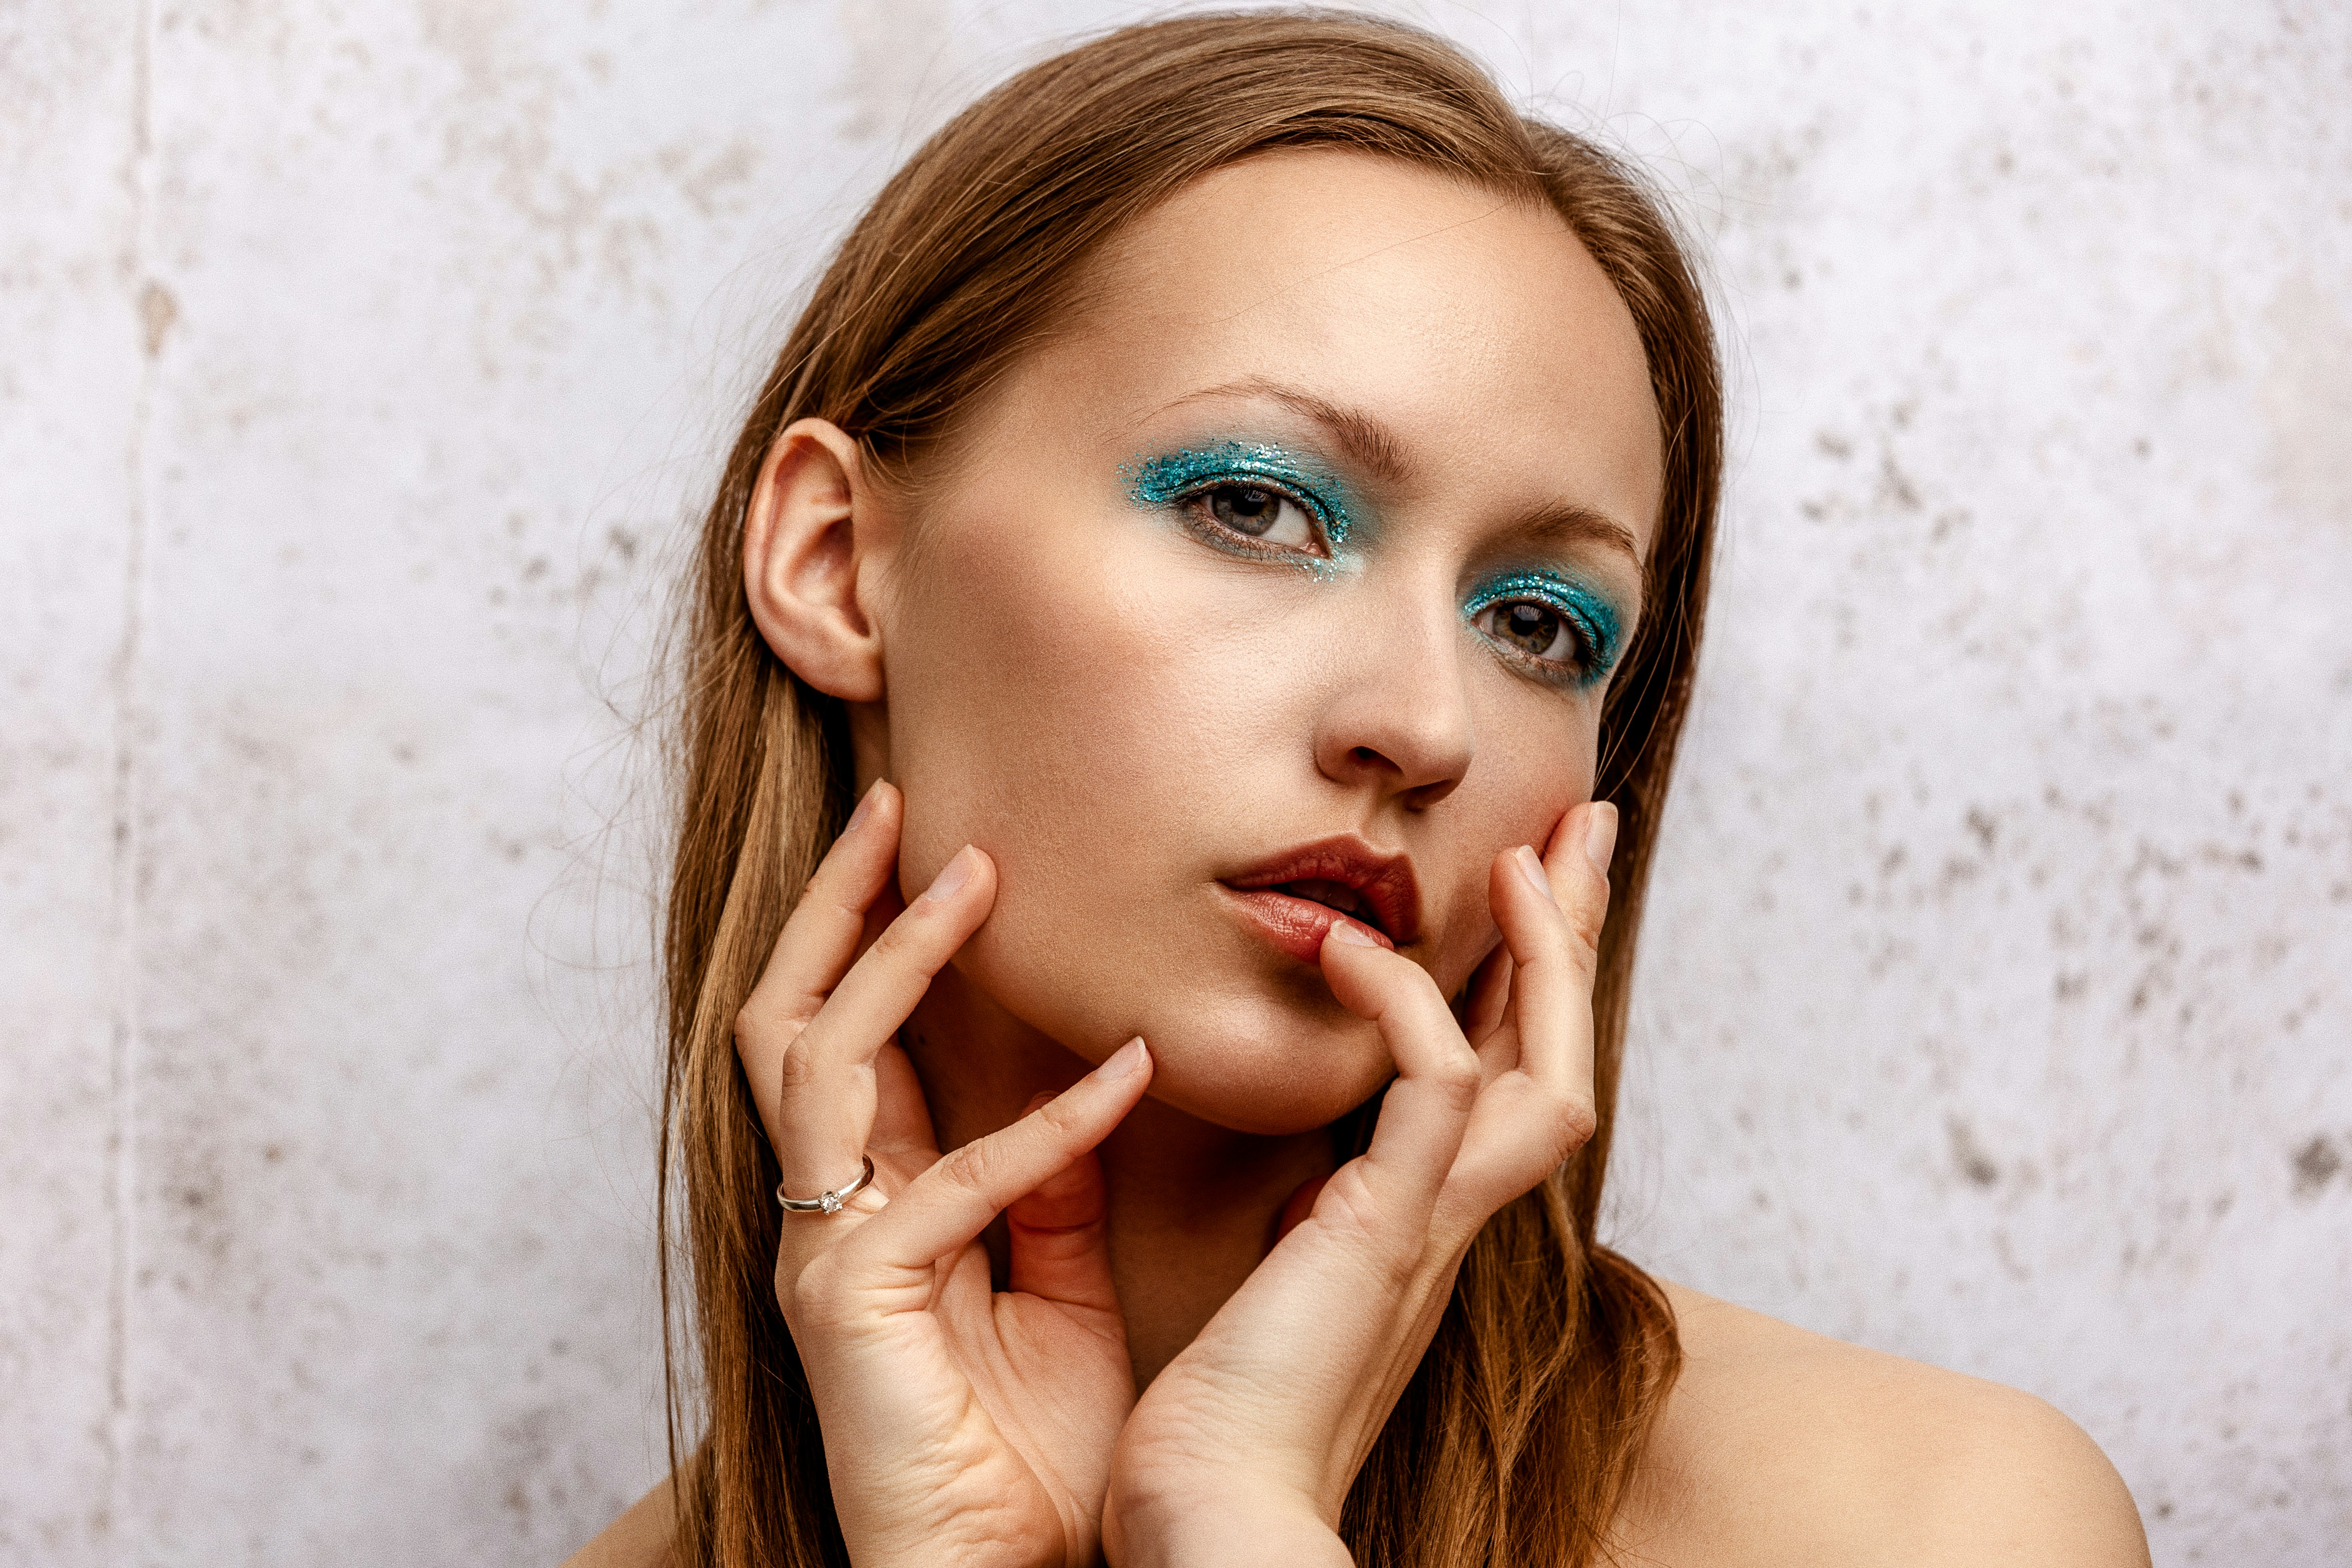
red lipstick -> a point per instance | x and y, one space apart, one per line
1292 898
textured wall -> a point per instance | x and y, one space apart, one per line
360 360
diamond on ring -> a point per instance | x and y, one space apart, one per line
826 1203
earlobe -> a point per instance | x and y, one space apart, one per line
809 536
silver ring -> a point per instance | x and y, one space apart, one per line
826 1203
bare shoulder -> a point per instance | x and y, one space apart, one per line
638 1538
1782 1447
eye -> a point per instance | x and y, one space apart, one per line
1536 630
1548 624
1259 512
1251 498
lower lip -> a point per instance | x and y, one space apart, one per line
1294 926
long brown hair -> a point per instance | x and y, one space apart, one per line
1517 1438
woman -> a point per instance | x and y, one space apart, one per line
1233 520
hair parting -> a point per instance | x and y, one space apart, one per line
1517 1438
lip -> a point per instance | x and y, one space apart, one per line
1297 924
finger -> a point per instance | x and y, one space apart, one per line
1551 913
946 1205
1484 1009
817 943
888 906
827 1095
1426 1108
902 1133
1297 1206
1532 1118
1059 1234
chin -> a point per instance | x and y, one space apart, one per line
1267 1069
1257 1046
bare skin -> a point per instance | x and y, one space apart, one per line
1781 1448
1100 701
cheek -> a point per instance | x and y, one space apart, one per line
1532 768
1069 716
1108 738
1112 733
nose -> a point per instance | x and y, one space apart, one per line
1397 714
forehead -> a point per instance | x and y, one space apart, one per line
1476 327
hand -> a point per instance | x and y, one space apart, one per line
961 1426
1243 1450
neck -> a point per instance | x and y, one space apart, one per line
1193 1206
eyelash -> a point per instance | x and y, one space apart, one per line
1184 481
1595 644
1192 504
1590 623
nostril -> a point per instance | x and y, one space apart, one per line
1429 794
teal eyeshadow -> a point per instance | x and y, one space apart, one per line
1175 475
1593 614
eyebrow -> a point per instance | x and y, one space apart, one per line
1367 442
1567 524
1371 446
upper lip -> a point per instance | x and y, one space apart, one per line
1384 883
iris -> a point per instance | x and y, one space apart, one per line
1588 616
1175 477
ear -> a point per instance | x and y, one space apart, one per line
812 534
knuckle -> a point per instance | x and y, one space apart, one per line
822 891
797 1071
1458 1075
1391 1258
814 1297
1589 912
891 945
1348 1208
1054 1118
1582 948
972 1167
839 908
833 885
1455 1070
830 899
758 1023
1574 1121
908 944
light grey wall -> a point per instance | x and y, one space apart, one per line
360 361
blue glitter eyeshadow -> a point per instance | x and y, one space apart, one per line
1593 617
1178 476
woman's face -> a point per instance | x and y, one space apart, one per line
1290 580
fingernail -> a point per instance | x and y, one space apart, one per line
1600 835
1531 868
952 877
1037 1102
1349 932
1123 1061
865 809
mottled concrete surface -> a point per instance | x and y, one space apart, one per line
360 360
